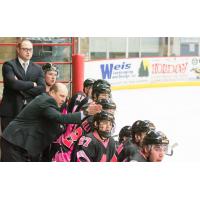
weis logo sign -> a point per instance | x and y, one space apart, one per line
108 69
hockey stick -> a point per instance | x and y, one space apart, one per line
172 149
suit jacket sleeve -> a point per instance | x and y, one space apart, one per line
40 85
70 118
12 82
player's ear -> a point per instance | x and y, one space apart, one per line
146 149
52 93
95 124
137 137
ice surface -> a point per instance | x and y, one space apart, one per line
174 110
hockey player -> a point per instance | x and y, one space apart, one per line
87 87
98 145
77 102
68 143
81 98
108 105
51 73
100 91
139 129
154 147
125 134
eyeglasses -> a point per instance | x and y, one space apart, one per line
27 49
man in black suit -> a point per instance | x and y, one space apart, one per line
23 81
38 125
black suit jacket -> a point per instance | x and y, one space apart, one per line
17 90
38 125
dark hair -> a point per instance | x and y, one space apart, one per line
124 132
141 126
88 82
49 67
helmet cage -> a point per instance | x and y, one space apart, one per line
103 115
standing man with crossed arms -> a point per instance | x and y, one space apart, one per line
23 81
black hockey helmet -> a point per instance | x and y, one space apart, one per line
150 124
100 86
49 67
101 81
103 115
88 82
141 126
125 132
155 137
107 103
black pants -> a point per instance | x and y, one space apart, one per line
13 153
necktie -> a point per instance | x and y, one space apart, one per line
25 67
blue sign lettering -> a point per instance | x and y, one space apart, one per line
107 69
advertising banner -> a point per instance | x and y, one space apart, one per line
136 71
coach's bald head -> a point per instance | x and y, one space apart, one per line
59 92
